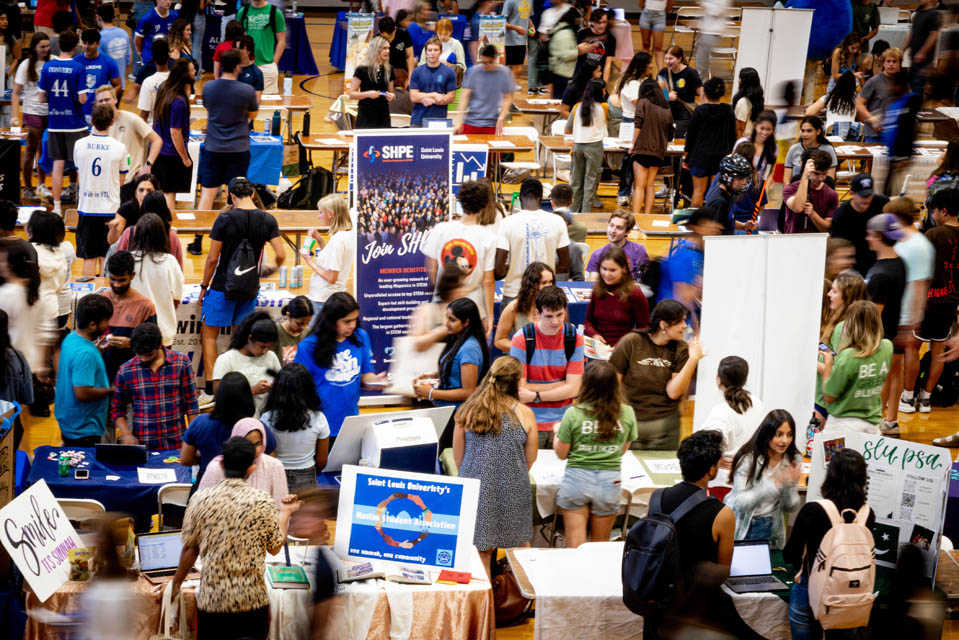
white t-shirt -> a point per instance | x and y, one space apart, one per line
530 236
101 162
65 299
736 428
148 92
159 278
832 117
656 5
714 16
54 274
596 130
23 323
744 109
338 255
468 247
628 96
31 94
132 131
253 369
297 449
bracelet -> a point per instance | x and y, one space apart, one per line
204 286
430 396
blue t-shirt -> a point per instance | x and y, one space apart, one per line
338 386
62 81
228 103
252 76
469 353
685 265
81 365
488 89
152 25
420 37
98 71
208 434
115 43
177 117
430 80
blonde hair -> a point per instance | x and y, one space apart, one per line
443 26
853 289
862 330
341 213
892 52
105 87
373 56
497 394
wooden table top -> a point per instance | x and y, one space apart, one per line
192 221
292 103
526 107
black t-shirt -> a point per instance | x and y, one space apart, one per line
259 227
849 224
686 84
398 46
810 528
695 530
945 277
604 45
721 202
885 282
924 22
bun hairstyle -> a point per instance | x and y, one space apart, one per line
733 372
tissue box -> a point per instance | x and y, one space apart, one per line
404 444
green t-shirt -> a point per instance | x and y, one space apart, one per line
834 345
256 23
856 383
586 450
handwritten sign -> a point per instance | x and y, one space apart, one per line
38 536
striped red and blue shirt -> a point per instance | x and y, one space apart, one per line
548 364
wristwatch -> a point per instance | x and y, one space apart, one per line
537 399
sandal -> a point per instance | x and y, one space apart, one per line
947 441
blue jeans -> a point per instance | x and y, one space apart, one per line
761 528
802 623
199 30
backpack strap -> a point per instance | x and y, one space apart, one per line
569 340
831 511
687 505
273 22
863 515
529 332
655 502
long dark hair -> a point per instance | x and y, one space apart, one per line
32 74
5 349
758 445
298 307
668 311
842 98
637 67
626 286
592 94
46 228
175 87
770 147
464 310
22 263
9 37
529 285
816 124
336 307
650 90
732 373
234 401
292 398
845 482
848 41
257 326
751 89
150 238
950 160
600 391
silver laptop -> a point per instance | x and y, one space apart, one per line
159 553
752 569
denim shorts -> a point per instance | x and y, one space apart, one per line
652 20
596 488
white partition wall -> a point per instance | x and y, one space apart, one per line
761 301
774 42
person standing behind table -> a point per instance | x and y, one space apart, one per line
486 96
560 198
683 85
764 474
876 95
851 217
232 527
60 86
99 68
494 441
334 258
748 102
432 85
620 225
401 50
452 55
157 386
518 24
551 372
114 41
921 43
34 113
653 129
130 309
151 84
844 487
655 366
886 282
865 20
267 26
587 124
530 235
46 233
617 305
709 138
681 274
158 275
155 23
735 179
521 311
142 144
102 163
294 413
372 87
247 72
83 391
563 51
296 316
243 222
844 58
840 107
809 202
464 246
231 34
251 353
171 120
593 436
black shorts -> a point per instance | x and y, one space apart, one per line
515 55
647 161
219 167
60 144
937 322
174 176
92 236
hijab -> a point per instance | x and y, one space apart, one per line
244 427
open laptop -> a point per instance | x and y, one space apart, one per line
752 569
160 555
121 454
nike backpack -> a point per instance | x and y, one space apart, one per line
242 272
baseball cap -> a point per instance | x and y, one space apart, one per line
239 182
862 185
887 224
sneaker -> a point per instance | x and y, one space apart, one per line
205 400
924 403
532 92
597 204
907 406
195 248
29 195
69 194
887 428
544 91
622 201
44 192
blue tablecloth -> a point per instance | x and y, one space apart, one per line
266 158
126 495
297 57
338 43
577 309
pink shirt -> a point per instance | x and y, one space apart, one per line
268 475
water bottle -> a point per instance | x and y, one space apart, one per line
288 84
306 124
266 126
63 465
276 122
282 277
294 7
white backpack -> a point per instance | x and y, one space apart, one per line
843 574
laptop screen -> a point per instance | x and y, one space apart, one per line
751 559
160 551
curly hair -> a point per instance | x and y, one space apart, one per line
529 286
292 398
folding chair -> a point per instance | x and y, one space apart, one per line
175 495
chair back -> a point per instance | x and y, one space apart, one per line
81 510
176 494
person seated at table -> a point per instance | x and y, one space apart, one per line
617 305
764 474
251 353
296 316
372 87
159 386
494 441
267 474
302 433
521 311
593 436
452 54
428 322
618 228
231 527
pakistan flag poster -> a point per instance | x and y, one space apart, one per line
402 189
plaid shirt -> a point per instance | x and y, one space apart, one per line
161 399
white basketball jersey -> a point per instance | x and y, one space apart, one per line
100 161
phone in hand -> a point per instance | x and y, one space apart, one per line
826 348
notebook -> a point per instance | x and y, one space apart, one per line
751 569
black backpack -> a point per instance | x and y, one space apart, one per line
944 182
652 570
243 17
242 271
569 340
306 192
652 275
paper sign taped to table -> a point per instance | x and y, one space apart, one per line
155 476
670 465
38 536
501 144
661 223
185 215
271 96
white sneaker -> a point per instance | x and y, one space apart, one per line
924 403
44 192
622 201
907 406
887 428
205 400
